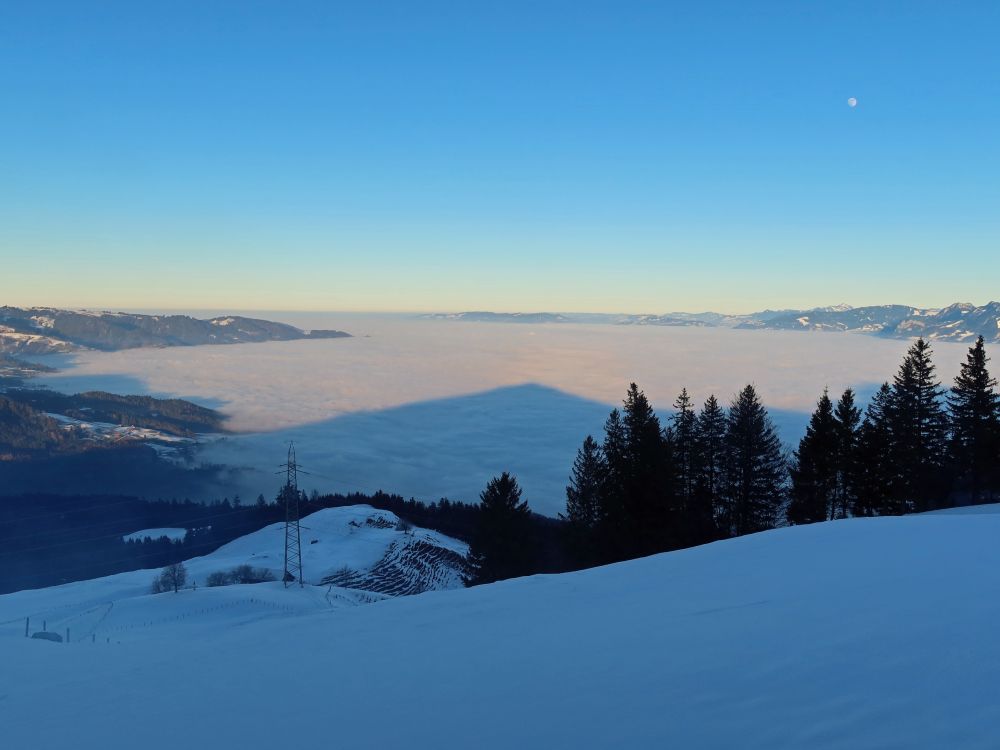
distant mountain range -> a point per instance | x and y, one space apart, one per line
46 330
958 322
492 317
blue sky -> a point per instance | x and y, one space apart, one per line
636 157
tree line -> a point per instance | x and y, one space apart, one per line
917 446
714 473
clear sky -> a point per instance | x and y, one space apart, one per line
618 156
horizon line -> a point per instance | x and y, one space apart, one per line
370 311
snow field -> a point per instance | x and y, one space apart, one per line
866 633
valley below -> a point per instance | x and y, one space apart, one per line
433 408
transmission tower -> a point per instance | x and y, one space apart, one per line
293 534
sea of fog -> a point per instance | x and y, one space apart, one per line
434 408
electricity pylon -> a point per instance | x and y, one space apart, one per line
293 534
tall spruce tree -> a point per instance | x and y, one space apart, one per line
695 520
649 491
753 488
683 434
848 418
611 532
876 472
919 431
501 546
637 497
710 463
975 423
583 502
814 468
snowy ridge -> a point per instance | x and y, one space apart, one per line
19 342
959 322
43 330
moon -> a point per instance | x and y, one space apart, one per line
852 102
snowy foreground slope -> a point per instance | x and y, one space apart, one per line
868 633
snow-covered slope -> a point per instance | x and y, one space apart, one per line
361 547
867 633
967 510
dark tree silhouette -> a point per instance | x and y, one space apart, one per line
876 473
583 501
919 430
975 421
710 463
171 578
612 529
644 473
814 468
848 418
501 547
682 437
755 476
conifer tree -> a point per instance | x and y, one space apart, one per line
755 475
683 432
709 460
975 422
583 501
637 496
919 430
814 468
848 418
876 472
501 545
648 473
611 524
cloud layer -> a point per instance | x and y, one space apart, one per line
427 407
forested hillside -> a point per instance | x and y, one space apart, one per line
172 416
26 432
42 329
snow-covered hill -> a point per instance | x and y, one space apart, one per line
867 633
358 548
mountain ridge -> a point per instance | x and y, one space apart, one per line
50 330
960 321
